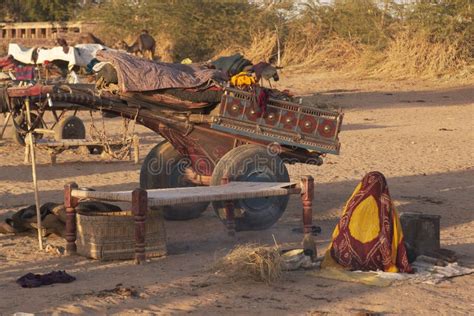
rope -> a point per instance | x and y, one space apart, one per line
107 143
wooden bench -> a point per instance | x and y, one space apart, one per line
141 199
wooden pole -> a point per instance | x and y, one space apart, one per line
307 194
139 209
70 203
33 169
136 149
278 47
5 124
27 151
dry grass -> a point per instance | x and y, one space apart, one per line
298 52
408 56
333 54
411 56
261 48
164 48
252 261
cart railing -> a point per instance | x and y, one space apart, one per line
284 122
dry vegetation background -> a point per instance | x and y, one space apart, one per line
395 39
374 38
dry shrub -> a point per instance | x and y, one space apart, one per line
332 54
252 261
298 53
261 48
164 48
415 56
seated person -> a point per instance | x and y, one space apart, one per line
369 235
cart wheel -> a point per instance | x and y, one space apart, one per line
70 127
255 164
18 136
163 168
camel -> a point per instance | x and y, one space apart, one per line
63 43
145 45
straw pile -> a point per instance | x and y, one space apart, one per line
251 261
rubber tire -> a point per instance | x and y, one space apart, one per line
164 154
70 127
252 163
19 138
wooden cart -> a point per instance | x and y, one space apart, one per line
203 142
66 124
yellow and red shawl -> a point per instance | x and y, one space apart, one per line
369 235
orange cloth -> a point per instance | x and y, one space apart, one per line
369 235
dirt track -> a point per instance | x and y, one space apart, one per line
420 136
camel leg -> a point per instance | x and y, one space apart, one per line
152 52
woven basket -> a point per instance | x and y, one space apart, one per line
111 235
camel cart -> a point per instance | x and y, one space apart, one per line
66 123
233 138
27 66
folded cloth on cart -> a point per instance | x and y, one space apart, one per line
88 52
80 55
139 74
22 54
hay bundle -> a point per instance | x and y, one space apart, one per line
252 261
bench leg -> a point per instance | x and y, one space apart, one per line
230 218
70 203
307 194
53 158
139 209
229 211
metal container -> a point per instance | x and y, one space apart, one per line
421 232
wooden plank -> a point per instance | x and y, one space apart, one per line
43 131
72 142
174 196
118 196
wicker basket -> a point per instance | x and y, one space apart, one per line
111 235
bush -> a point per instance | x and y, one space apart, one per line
427 37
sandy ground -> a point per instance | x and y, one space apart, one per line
420 135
